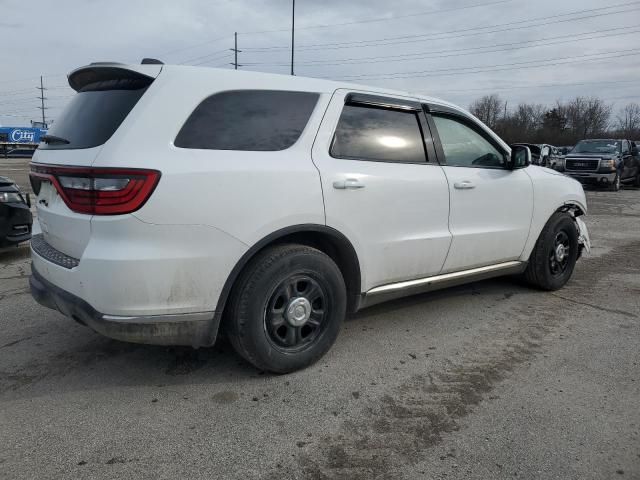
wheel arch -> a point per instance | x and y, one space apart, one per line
572 206
326 239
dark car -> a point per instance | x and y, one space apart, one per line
15 214
604 162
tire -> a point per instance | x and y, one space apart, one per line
269 326
540 271
636 182
615 185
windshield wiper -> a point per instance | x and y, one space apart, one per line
53 139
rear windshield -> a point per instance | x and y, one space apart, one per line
95 113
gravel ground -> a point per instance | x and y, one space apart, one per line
488 381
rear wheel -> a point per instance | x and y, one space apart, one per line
287 308
554 257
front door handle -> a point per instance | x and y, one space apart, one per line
348 184
464 185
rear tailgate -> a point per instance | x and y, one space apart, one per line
106 94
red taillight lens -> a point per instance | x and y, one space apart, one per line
98 191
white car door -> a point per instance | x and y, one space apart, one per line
491 206
382 186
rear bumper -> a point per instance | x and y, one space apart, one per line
194 329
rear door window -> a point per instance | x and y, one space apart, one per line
249 120
95 113
378 134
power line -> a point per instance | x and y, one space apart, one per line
226 55
189 47
491 68
217 52
553 19
431 12
542 85
381 19
470 50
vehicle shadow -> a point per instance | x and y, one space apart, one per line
64 356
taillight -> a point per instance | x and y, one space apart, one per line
98 191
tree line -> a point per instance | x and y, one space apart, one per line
564 123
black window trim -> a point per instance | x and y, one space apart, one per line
392 104
444 111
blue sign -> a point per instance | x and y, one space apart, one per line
21 134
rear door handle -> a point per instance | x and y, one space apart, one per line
464 185
348 184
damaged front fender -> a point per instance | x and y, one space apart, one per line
584 242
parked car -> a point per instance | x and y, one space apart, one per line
604 162
564 150
269 206
15 214
542 154
562 153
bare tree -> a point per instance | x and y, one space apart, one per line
587 116
489 109
628 121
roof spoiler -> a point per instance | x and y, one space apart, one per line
102 71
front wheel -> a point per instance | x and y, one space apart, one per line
287 308
555 254
615 185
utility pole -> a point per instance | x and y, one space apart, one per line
293 25
42 99
235 51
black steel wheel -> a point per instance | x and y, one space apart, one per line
295 313
560 254
286 308
555 254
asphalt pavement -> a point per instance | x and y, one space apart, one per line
491 380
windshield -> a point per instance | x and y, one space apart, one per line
597 146
95 113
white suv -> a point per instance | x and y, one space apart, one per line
174 202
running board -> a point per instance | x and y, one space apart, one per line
436 282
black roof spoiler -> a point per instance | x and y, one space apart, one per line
102 71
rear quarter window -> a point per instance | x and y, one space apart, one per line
248 120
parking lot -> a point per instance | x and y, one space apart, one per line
486 381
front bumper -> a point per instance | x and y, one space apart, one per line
194 329
592 178
15 224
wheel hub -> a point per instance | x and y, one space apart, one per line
298 311
560 252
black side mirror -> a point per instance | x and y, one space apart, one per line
520 157
28 199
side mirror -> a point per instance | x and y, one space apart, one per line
28 199
520 157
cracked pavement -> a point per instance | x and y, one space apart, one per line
491 380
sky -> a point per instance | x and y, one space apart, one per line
526 51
